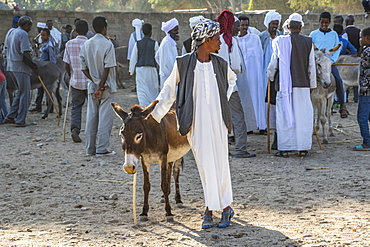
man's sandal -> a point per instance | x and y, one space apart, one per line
207 222
283 154
303 154
225 219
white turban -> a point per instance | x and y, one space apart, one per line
194 20
271 16
137 24
169 25
41 25
236 19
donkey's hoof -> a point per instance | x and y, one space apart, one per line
325 142
179 205
162 200
143 218
169 218
43 117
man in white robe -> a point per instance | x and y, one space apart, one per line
167 52
271 22
55 34
251 49
143 60
203 113
240 101
135 36
294 54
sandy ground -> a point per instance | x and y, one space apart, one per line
53 195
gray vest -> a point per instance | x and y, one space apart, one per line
301 48
146 53
184 99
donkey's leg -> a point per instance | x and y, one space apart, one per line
176 174
59 99
328 110
166 172
146 187
322 113
48 103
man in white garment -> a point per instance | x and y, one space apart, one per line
55 35
240 101
146 72
251 48
271 22
186 48
201 83
294 54
135 36
167 52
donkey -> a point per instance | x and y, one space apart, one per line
349 74
145 141
322 96
50 73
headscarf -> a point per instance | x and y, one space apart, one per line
226 19
194 20
168 26
293 17
203 30
271 16
137 24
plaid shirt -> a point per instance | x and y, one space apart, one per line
365 72
72 57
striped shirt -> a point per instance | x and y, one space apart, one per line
72 57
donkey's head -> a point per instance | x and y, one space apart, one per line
133 133
323 65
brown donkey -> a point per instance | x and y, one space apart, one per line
145 141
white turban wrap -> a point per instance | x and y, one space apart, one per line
41 25
168 26
271 16
203 30
194 20
137 24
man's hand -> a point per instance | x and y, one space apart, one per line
98 94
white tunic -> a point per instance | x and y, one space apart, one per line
208 135
146 79
251 48
165 57
294 111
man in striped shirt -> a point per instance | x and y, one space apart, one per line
78 80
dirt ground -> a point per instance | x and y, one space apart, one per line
53 195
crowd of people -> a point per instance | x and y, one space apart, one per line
220 84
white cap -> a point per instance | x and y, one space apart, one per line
41 25
296 17
194 20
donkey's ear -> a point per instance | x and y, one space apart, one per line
149 108
119 111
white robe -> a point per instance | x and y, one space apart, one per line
146 78
251 48
131 44
166 57
294 111
208 134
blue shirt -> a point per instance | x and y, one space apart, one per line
346 45
47 52
327 41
